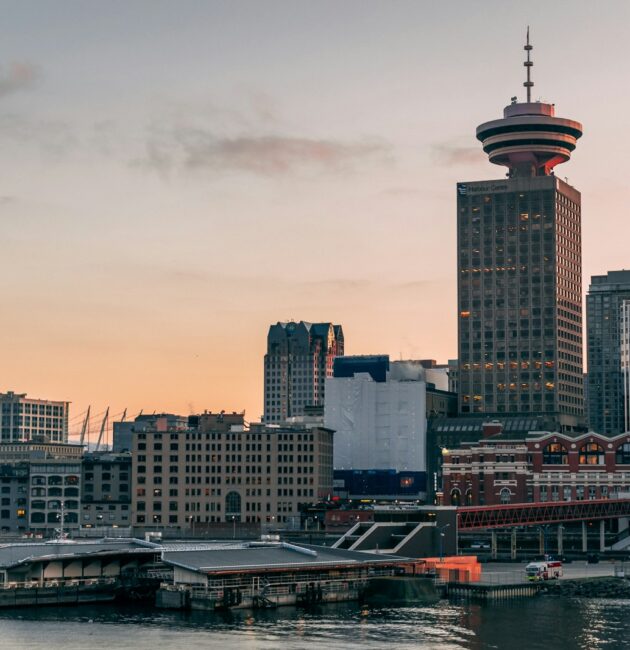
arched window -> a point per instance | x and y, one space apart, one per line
456 497
555 454
622 454
505 495
469 497
232 506
54 480
591 454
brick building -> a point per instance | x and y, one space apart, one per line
538 467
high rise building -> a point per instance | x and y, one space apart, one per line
608 350
25 418
520 270
298 360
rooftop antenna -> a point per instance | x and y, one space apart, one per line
528 64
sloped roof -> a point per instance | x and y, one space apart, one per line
14 554
256 556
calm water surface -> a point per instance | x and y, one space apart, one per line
585 624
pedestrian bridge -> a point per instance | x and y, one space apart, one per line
532 514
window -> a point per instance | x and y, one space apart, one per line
591 454
232 505
555 454
505 495
622 454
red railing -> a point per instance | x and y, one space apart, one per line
531 514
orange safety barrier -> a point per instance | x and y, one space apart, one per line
458 568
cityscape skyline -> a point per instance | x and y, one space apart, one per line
154 280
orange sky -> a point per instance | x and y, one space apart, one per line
177 176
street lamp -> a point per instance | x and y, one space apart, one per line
233 526
442 529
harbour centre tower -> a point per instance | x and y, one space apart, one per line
520 271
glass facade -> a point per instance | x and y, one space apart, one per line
608 326
519 298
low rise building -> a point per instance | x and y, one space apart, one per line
106 490
538 467
255 473
124 430
40 481
55 498
14 498
24 418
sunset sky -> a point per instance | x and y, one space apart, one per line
176 176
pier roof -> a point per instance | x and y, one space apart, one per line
14 554
255 556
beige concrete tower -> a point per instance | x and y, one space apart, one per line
520 271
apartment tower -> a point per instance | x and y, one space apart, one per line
608 349
520 270
298 360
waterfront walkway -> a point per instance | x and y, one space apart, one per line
507 573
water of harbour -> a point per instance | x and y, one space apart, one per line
527 624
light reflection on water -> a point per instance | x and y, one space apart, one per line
528 624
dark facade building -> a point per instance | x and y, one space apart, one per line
298 360
607 304
106 490
14 497
375 365
40 485
519 272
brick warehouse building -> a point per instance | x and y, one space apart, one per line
226 472
539 467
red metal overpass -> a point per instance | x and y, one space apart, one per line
535 514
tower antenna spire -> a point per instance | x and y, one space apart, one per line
528 64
